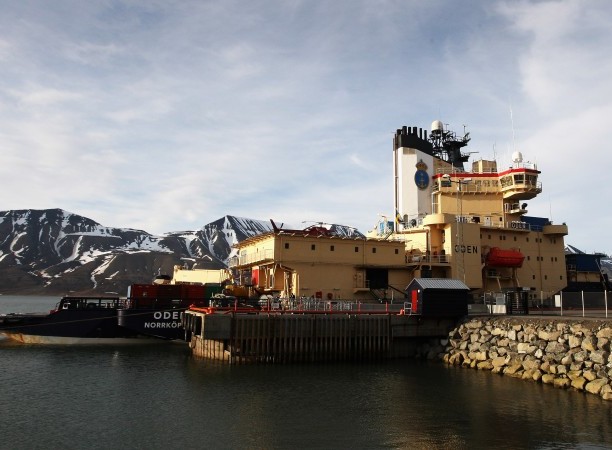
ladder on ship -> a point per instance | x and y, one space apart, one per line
603 276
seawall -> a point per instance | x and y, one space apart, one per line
283 337
565 353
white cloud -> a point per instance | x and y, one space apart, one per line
166 115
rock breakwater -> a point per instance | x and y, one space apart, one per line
563 353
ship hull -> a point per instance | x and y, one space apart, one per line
65 340
161 324
83 320
66 326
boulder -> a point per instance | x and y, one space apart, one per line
574 374
528 374
578 383
576 366
589 375
562 383
531 364
576 328
474 324
499 361
595 386
603 344
537 375
512 369
589 343
599 356
549 335
548 378
605 333
574 341
556 347
580 356
562 327
485 365
524 347
606 392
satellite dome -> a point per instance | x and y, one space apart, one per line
517 157
437 126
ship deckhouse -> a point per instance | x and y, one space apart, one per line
471 224
449 221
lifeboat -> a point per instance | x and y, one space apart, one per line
499 257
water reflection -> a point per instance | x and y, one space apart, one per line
160 397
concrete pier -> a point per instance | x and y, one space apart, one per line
237 338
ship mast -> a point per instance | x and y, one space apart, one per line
447 145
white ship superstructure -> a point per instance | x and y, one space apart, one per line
471 225
447 222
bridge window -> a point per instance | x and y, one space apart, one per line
286 245
312 247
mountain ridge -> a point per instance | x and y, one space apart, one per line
53 251
56 252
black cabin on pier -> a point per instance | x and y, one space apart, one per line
441 297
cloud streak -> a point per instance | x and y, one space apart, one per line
167 115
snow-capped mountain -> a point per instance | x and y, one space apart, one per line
54 252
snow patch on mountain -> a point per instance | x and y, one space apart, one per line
64 251
101 269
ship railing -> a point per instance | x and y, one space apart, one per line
305 304
483 186
251 258
468 187
427 259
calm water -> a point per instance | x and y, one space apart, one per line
153 397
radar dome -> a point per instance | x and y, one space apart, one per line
437 126
517 157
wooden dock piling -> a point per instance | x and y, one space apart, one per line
284 338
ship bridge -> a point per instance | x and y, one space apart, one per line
520 183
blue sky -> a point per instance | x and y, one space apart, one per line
166 115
